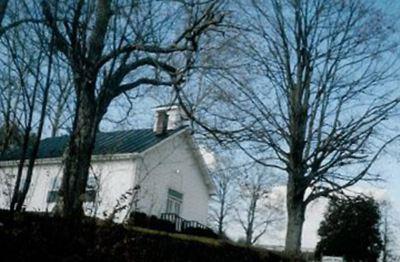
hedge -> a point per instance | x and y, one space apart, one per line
43 238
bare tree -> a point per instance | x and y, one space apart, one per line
29 85
10 131
11 134
311 97
9 11
60 109
26 67
3 8
225 180
256 209
113 47
45 90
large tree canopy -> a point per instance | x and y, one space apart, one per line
305 93
112 48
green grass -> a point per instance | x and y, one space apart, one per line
205 240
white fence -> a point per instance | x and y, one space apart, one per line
332 259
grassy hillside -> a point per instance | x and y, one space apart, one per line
30 237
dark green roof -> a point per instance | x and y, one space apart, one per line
117 142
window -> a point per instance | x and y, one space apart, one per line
90 194
22 184
174 202
91 189
52 195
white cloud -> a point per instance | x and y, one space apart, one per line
209 158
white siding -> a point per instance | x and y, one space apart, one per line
115 178
40 184
172 165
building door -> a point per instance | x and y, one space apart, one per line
174 202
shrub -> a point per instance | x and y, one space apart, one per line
351 229
138 219
161 224
202 232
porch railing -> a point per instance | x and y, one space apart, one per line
180 223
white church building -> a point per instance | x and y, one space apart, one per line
155 171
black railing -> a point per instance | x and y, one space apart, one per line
180 223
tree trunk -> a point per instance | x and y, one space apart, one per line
36 144
3 7
249 237
21 163
221 217
295 211
77 158
250 217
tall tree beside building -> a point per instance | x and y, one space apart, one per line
113 47
310 95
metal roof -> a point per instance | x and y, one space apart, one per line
117 142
